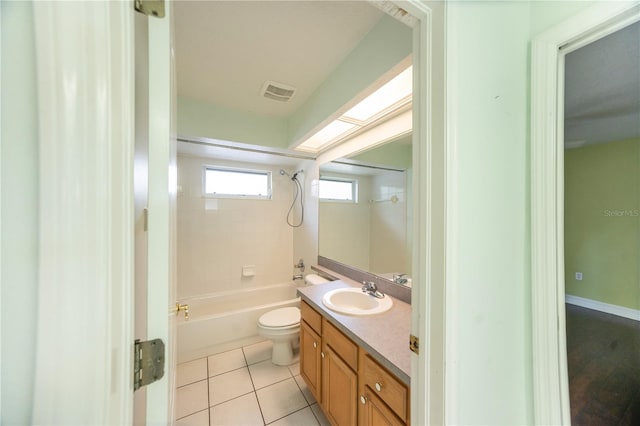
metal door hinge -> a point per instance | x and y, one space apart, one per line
148 364
150 7
414 344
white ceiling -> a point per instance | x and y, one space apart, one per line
602 89
226 50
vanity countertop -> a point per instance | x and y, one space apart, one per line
384 336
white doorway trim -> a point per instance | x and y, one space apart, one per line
429 160
550 376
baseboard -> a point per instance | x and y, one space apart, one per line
620 311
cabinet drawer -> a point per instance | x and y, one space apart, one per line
341 344
394 393
311 317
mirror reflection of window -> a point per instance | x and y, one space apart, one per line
371 229
336 189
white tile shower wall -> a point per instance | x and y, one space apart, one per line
217 236
388 224
305 237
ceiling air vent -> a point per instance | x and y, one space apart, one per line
278 91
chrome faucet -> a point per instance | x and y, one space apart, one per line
370 288
400 278
300 265
298 277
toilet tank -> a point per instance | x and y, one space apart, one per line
313 279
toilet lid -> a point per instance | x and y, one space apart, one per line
282 317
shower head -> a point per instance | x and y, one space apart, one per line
295 174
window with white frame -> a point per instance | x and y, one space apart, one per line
228 182
338 189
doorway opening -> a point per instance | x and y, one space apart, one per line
549 50
601 228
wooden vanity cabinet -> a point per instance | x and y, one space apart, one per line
384 400
339 376
311 350
349 385
375 412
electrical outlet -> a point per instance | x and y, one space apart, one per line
579 276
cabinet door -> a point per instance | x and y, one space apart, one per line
310 361
339 390
373 411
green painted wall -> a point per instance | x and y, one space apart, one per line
489 325
602 222
395 154
197 118
19 165
490 374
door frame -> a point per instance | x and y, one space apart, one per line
550 374
429 211
107 31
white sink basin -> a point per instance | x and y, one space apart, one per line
353 301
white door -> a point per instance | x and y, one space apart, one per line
154 187
84 55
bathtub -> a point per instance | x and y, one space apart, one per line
227 320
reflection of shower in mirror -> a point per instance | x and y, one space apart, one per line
394 199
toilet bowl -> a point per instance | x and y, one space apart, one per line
282 327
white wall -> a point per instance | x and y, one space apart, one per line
488 286
217 236
19 226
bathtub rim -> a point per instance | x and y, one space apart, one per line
224 293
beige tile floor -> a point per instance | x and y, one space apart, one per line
243 387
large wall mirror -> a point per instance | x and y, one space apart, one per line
365 210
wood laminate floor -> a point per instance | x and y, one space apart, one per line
604 368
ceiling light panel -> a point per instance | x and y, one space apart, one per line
392 93
325 136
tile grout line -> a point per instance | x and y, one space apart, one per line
305 398
192 383
196 412
300 389
275 383
314 414
290 414
255 393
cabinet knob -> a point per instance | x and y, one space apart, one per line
322 354
363 400
378 387
315 345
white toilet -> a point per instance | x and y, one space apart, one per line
282 327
